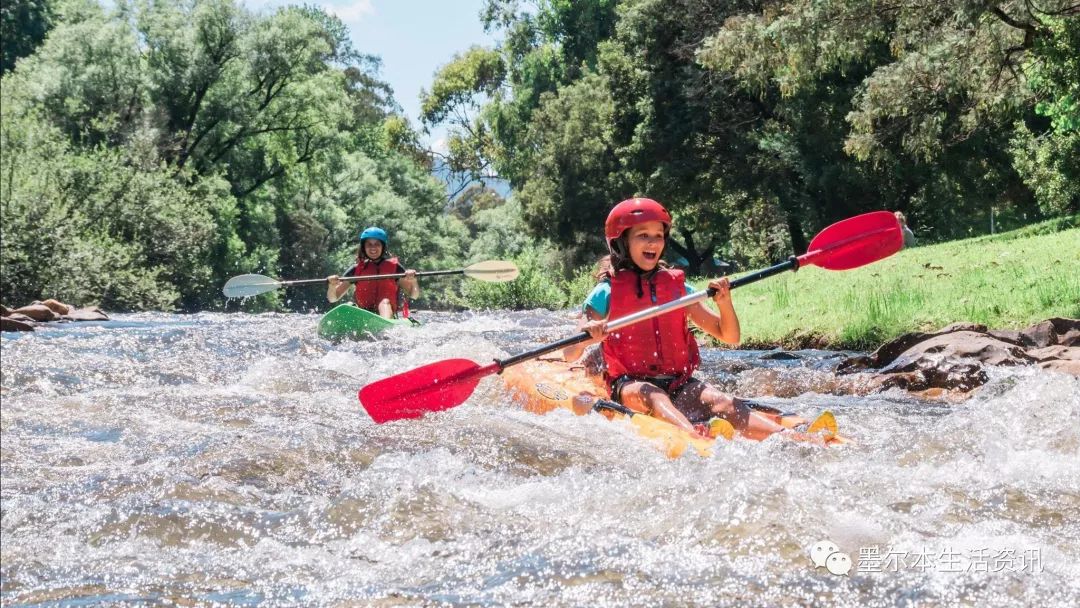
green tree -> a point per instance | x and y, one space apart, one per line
106 225
1048 156
942 89
757 120
23 26
455 99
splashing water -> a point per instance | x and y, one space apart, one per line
225 459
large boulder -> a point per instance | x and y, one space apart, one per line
38 312
1062 366
954 357
16 322
1051 332
92 313
58 307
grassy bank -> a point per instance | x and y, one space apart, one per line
1008 280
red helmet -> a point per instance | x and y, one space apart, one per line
632 212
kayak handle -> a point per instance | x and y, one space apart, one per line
606 404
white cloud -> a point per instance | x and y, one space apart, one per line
258 5
349 11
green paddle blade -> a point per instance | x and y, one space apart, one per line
247 285
494 271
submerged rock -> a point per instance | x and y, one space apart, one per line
92 313
954 358
780 355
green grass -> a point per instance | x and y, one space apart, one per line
1009 280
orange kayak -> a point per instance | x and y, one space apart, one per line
542 386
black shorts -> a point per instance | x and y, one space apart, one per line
662 382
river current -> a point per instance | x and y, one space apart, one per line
225 459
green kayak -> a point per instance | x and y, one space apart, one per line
350 321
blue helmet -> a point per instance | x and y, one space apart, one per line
373 233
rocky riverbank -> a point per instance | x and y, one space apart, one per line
28 317
949 364
954 358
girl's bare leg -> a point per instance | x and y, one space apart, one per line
700 401
649 399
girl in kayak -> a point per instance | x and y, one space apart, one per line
650 364
378 296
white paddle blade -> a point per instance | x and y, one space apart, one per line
494 271
247 285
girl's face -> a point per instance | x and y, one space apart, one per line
373 248
646 243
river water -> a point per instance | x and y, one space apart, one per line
213 458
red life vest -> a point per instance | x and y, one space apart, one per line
661 346
368 294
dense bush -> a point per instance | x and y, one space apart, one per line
540 285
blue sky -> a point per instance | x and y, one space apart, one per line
413 38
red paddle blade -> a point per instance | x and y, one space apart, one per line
855 242
431 388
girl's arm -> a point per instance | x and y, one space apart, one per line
335 288
595 326
723 326
409 284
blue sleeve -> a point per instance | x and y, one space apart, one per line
350 272
599 298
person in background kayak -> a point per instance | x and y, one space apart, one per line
379 296
650 364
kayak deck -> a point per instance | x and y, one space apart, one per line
542 386
353 322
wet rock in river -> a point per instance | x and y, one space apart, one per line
780 355
26 318
58 307
954 358
16 323
37 312
93 313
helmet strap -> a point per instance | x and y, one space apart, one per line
618 246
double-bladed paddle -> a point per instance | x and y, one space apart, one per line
847 244
247 285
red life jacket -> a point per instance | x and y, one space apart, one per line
661 346
368 294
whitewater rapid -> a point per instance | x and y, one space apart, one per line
225 459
